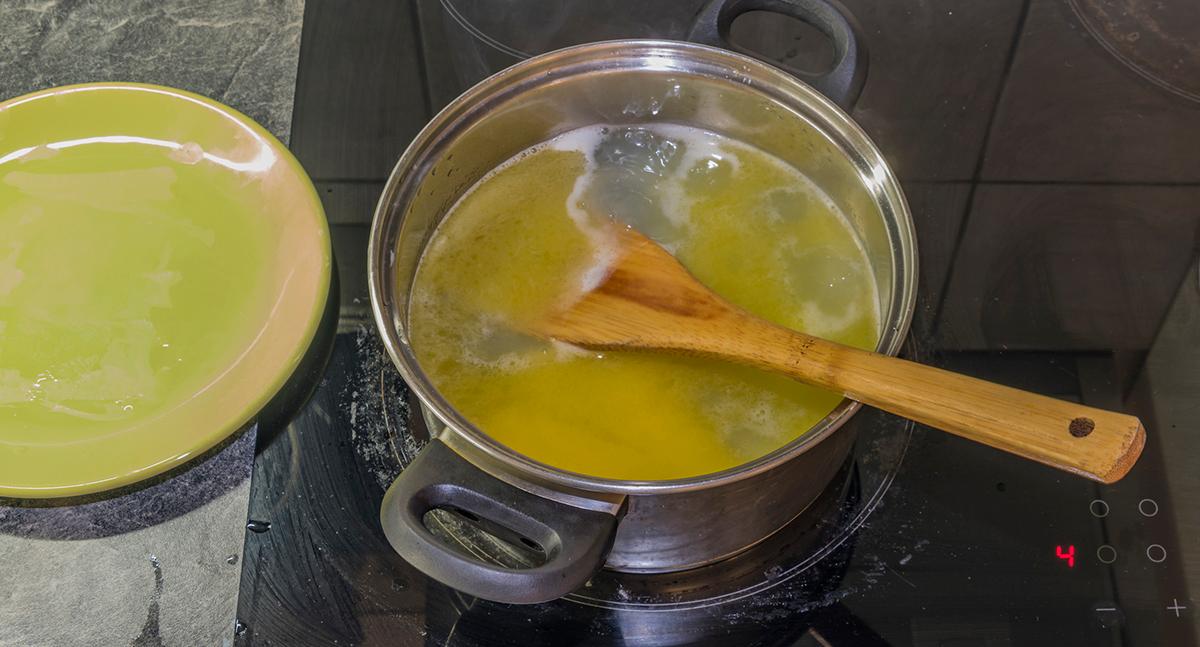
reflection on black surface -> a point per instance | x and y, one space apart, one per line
681 608
1156 41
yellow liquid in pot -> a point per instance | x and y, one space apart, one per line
529 235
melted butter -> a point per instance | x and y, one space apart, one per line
528 236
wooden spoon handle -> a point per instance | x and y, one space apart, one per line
1101 445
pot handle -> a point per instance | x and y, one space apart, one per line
842 84
576 541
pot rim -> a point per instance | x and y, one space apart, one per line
650 55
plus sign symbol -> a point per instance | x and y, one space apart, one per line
1176 607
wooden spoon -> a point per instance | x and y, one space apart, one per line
649 301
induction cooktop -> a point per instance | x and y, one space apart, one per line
1048 151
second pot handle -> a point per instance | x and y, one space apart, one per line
576 541
842 84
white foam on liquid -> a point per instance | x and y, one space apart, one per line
604 244
700 147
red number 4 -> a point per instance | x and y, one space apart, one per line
1068 555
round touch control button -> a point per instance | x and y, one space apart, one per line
1156 553
1099 509
1148 507
1106 554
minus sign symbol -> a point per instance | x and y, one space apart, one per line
1106 608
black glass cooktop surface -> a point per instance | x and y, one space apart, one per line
1050 153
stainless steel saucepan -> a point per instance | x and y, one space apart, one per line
582 523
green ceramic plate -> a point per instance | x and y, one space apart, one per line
164 262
